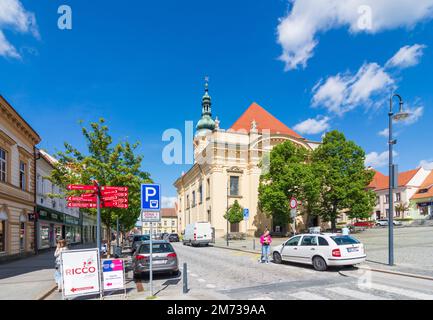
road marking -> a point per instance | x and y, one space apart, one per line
358 295
305 295
201 280
400 291
210 286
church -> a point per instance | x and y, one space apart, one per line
227 167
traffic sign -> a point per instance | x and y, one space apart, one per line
293 203
81 205
151 197
246 213
88 195
109 188
84 199
115 204
151 216
81 187
114 193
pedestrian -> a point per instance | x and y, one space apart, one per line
265 241
61 246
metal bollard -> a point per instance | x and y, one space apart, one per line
185 278
254 244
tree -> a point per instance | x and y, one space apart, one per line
345 178
235 213
289 175
110 165
401 208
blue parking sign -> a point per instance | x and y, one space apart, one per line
246 213
151 197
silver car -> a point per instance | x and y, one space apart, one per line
164 258
385 222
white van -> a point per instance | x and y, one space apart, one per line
198 233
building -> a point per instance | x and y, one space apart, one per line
89 228
54 219
168 223
226 168
422 200
408 184
17 183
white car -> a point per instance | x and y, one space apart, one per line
320 250
384 222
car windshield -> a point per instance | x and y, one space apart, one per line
156 248
344 240
141 238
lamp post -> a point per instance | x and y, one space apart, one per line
401 115
227 211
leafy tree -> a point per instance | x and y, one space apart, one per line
235 213
110 165
345 178
401 208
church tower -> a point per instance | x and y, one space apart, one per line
206 124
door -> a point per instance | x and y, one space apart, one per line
290 249
307 249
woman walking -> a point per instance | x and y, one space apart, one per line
61 246
266 241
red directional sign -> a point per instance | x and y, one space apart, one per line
88 195
84 199
114 192
81 205
81 187
115 204
121 189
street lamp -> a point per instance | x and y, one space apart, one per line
227 211
401 115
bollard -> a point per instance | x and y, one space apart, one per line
254 244
185 278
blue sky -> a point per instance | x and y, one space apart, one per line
140 65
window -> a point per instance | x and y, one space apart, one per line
387 199
323 242
234 186
187 201
293 242
377 200
208 188
200 191
22 176
165 223
2 235
193 198
309 241
398 197
173 223
344 240
3 167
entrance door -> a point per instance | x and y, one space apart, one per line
377 215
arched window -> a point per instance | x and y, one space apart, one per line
3 220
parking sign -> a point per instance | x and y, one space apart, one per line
246 213
151 197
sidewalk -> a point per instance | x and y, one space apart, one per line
29 278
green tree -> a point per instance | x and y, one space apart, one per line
401 208
345 179
110 164
235 213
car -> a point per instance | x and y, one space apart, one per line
198 233
367 224
172 237
320 250
385 222
164 258
136 241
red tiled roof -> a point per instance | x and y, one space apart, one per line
168 213
380 181
427 184
264 120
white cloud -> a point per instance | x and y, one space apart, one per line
168 202
407 56
313 126
298 31
377 160
415 114
344 92
15 17
384 133
426 164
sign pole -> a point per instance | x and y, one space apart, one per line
98 219
117 232
151 260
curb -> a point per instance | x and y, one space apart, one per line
397 273
46 294
236 249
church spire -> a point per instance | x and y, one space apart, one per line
206 123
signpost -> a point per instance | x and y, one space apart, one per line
113 272
246 217
80 273
150 202
293 206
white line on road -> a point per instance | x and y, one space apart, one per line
400 291
358 295
305 295
210 286
201 280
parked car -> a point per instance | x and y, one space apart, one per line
199 233
137 241
172 237
320 250
366 224
385 222
164 258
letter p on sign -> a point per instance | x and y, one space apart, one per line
151 197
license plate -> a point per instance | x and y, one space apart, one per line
159 261
352 249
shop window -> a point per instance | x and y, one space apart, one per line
3 165
45 236
22 175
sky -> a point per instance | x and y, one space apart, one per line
315 65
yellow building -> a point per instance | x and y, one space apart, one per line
17 183
226 168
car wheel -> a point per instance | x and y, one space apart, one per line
277 257
319 264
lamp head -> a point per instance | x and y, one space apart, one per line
401 115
